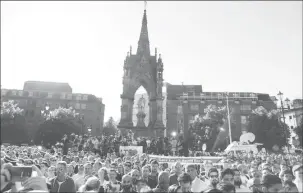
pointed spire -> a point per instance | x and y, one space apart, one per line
143 44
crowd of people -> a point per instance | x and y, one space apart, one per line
102 145
91 164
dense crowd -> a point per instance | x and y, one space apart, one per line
88 170
102 145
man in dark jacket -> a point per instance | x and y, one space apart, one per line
62 183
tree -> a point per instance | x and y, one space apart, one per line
57 123
12 123
298 132
207 127
268 128
110 127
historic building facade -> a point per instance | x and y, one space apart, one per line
143 69
36 96
184 102
294 114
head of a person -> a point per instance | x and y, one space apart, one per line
135 174
145 171
88 169
297 170
227 176
154 166
266 171
102 174
226 188
127 167
97 166
185 182
286 176
126 182
191 169
283 166
51 171
213 175
163 180
237 178
112 175
208 165
92 184
178 168
70 169
44 167
120 168
61 168
271 183
81 169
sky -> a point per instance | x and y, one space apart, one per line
236 46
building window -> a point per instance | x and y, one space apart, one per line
83 106
69 96
36 94
194 107
85 97
290 117
49 95
245 107
78 97
77 106
14 93
62 96
243 119
20 93
30 94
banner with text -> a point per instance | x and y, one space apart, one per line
132 150
198 160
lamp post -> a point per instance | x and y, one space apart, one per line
280 94
228 118
45 112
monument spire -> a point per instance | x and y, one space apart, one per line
143 44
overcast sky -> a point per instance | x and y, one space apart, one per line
232 46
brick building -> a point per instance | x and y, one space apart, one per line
36 95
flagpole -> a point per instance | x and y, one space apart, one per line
228 118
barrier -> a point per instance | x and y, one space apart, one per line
132 150
186 160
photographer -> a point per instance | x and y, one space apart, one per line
37 183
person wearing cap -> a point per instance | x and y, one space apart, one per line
297 171
197 184
271 183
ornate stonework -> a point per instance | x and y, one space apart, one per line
143 69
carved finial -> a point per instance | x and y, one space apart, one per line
130 50
127 53
160 56
155 51
145 4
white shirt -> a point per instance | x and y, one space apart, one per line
198 185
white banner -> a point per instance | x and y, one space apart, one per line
185 160
132 150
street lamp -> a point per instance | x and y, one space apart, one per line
45 112
174 134
280 94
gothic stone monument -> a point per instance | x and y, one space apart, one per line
143 69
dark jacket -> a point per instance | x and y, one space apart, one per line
67 186
173 179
